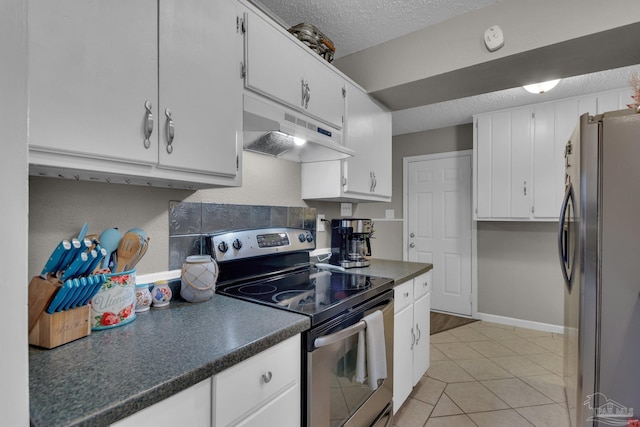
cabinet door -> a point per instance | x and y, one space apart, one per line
190 407
326 99
422 322
403 342
273 62
547 155
482 171
200 86
283 411
521 184
368 132
500 164
92 66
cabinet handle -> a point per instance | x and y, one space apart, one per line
306 94
148 123
266 378
406 294
419 334
412 245
413 338
170 131
525 188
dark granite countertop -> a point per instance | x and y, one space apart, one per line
399 271
114 373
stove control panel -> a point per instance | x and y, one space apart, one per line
240 244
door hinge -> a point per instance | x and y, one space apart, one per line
533 116
243 70
532 210
237 162
344 180
344 92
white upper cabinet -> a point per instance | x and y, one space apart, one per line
92 67
282 68
199 86
365 176
519 155
98 72
503 172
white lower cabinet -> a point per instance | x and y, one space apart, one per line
262 390
411 336
190 407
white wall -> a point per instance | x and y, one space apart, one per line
14 403
60 207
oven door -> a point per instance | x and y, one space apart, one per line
333 396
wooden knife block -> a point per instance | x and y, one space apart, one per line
52 330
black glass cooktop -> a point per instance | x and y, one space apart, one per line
320 294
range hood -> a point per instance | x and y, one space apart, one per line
275 130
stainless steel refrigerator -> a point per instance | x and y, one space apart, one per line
599 246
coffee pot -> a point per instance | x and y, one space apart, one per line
351 242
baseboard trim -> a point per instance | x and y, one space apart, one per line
539 326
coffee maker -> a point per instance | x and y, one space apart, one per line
350 242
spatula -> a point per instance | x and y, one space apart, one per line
128 248
109 240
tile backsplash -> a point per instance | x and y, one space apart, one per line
191 222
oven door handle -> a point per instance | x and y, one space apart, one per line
345 333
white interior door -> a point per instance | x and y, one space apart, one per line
438 214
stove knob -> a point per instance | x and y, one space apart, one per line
309 238
301 237
223 247
237 244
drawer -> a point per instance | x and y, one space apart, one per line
422 284
403 296
245 387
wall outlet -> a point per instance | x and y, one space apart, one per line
320 222
346 209
389 213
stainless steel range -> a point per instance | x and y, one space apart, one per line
271 267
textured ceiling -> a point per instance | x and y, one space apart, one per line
354 25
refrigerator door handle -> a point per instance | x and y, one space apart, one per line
564 234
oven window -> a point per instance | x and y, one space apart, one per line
347 393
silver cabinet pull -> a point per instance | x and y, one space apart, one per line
266 378
412 245
525 188
148 123
170 130
413 338
306 94
419 334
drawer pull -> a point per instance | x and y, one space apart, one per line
266 378
148 124
406 294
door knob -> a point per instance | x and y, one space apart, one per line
412 235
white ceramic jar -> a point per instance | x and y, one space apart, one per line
161 294
199 275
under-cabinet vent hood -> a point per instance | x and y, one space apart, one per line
275 130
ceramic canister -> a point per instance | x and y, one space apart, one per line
143 297
199 275
114 303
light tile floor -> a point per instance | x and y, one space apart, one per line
489 375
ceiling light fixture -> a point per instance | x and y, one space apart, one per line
541 87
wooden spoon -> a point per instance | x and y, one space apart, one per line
128 248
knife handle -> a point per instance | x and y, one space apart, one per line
70 255
55 260
59 298
77 263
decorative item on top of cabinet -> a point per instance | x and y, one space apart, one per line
94 94
367 175
279 66
412 322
